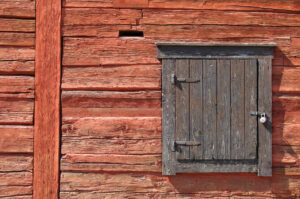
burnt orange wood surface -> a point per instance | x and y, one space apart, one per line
47 101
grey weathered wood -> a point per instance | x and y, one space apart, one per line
182 109
216 166
237 109
209 44
209 109
223 109
168 116
250 105
265 105
196 134
198 51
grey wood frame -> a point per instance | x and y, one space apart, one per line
169 52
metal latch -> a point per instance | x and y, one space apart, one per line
262 116
184 143
175 79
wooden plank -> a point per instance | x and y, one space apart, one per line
284 134
96 16
237 109
84 145
47 101
256 5
17 25
17 67
196 131
16 179
168 116
17 53
265 105
14 163
94 51
223 109
111 99
17 8
218 17
16 86
131 3
140 77
17 39
16 111
182 109
125 194
287 103
110 163
285 80
17 192
285 156
84 3
113 128
10 135
209 109
250 105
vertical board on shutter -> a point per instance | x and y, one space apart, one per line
196 134
209 109
237 109
265 105
168 123
223 109
182 109
250 105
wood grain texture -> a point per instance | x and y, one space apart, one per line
17 25
16 87
17 39
16 111
134 77
17 8
285 80
47 101
91 51
95 16
131 3
125 194
111 163
17 53
205 17
15 163
18 192
84 3
10 135
17 67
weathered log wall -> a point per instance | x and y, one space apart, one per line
111 98
17 55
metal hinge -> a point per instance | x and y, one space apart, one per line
175 79
184 143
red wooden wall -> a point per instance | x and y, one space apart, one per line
111 95
17 55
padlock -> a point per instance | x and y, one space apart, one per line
263 118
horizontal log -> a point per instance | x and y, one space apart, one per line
255 5
17 39
282 117
112 128
291 61
131 3
285 156
286 103
82 145
17 54
194 32
17 86
17 8
17 25
209 17
111 112
96 16
84 3
125 194
16 192
147 77
91 51
286 134
195 183
111 163
16 111
16 179
17 67
16 139
111 99
11 163
286 80
94 30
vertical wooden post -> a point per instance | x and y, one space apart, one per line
47 99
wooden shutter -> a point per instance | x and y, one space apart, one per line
207 100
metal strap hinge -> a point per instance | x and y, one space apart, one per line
184 143
175 79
